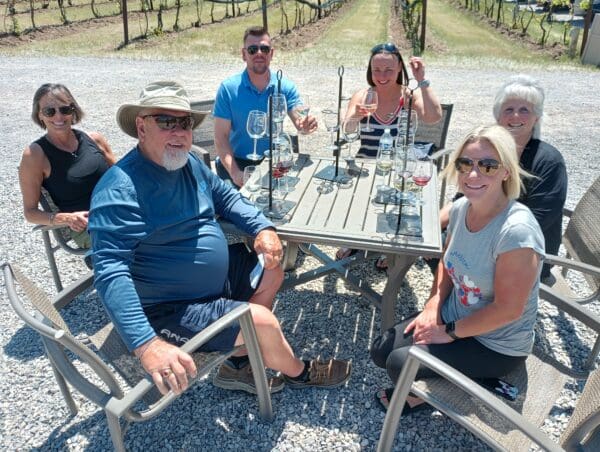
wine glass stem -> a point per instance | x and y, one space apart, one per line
254 153
368 120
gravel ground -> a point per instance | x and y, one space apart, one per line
323 317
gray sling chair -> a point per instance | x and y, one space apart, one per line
509 426
581 240
104 353
60 234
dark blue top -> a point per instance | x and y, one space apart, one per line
155 238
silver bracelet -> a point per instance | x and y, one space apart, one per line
52 215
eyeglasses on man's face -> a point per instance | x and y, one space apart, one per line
65 110
253 49
487 167
169 122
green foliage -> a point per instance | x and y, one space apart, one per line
585 4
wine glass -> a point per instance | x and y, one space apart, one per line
421 177
369 103
303 108
404 166
279 111
285 159
252 179
351 131
330 118
275 211
256 126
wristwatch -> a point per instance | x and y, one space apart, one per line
424 83
450 327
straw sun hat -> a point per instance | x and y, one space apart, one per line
164 94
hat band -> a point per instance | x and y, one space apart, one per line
168 102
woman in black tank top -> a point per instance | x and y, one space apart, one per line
65 161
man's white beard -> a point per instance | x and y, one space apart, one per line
174 159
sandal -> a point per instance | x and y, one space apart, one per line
343 253
383 397
381 264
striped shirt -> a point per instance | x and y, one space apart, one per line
369 141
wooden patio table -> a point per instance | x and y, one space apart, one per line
349 218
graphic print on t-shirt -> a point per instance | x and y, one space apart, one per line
468 293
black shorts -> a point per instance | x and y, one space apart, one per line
178 321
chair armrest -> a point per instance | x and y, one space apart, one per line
190 346
440 153
572 264
416 357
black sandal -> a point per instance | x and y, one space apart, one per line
383 397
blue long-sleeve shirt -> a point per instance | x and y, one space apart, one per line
155 238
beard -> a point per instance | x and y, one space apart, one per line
174 159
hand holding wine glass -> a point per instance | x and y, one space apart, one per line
369 104
303 109
256 126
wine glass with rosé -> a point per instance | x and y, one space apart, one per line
421 176
369 104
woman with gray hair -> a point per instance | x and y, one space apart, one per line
519 107
482 308
65 161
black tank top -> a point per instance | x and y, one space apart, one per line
73 176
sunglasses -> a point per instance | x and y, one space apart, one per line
387 47
253 49
487 167
168 122
64 110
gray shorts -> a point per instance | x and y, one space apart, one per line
178 321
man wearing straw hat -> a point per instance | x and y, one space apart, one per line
162 265
246 91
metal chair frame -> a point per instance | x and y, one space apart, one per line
119 404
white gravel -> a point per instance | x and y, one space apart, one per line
323 317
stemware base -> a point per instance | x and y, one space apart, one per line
254 157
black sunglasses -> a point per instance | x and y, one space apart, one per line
487 167
64 110
253 49
386 47
168 122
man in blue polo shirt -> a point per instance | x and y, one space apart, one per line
241 93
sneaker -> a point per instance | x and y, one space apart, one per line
323 374
243 380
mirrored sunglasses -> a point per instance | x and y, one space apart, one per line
168 122
487 167
386 47
253 49
64 110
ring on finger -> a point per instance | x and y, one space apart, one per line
166 373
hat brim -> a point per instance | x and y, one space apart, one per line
127 113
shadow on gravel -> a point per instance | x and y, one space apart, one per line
24 345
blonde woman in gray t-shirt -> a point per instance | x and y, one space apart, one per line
481 312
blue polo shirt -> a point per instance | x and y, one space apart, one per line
237 96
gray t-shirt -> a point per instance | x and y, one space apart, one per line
470 260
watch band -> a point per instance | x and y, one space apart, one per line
450 327
424 83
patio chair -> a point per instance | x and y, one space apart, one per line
436 134
581 240
61 236
514 425
204 134
67 353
